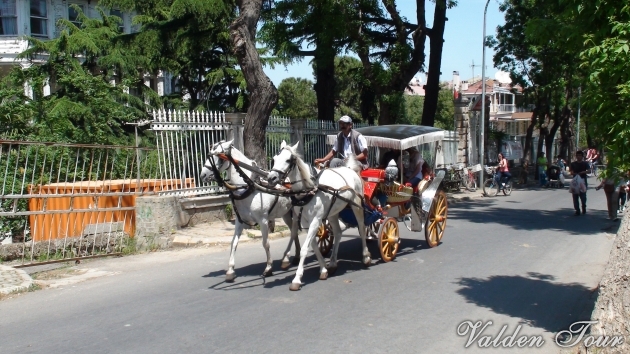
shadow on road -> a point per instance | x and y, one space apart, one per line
535 298
485 211
349 256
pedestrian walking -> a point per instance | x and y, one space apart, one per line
542 169
579 168
611 188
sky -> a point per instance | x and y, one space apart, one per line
463 36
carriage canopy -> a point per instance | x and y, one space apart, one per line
397 136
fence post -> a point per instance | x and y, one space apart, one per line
462 124
297 134
236 128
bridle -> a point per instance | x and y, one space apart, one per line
213 167
283 174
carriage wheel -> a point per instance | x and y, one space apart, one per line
325 238
388 239
436 221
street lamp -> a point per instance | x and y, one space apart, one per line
483 93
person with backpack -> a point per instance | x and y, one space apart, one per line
579 168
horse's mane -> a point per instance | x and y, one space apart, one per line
354 164
303 168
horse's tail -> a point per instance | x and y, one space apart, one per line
354 164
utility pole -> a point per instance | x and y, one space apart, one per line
483 94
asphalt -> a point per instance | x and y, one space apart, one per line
522 260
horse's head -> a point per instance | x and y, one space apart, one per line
283 163
214 161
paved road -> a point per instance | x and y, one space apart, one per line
519 260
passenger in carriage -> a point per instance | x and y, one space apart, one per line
418 168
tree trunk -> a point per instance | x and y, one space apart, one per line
391 108
436 36
528 139
263 95
325 84
551 134
369 111
567 147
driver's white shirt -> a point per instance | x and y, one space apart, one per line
347 147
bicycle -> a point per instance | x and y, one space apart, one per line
491 186
468 177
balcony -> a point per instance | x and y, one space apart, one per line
506 108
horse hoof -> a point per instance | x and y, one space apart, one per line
230 277
267 273
285 265
332 270
323 276
295 286
296 260
367 262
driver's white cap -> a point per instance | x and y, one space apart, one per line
345 119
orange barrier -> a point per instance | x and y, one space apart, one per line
70 223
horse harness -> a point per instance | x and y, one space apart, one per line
249 187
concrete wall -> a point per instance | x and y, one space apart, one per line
157 217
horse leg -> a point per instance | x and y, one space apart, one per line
323 271
334 223
296 229
238 229
264 230
358 213
285 258
296 284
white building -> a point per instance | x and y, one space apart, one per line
38 18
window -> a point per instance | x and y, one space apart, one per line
73 14
119 14
8 18
39 18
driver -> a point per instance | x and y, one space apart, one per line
349 141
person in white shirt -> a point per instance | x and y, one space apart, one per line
349 141
417 166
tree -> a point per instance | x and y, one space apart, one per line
445 111
541 61
289 25
190 40
297 99
351 89
262 92
603 30
83 106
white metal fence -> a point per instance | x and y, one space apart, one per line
183 142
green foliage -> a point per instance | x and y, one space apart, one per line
444 116
83 106
190 40
604 28
297 99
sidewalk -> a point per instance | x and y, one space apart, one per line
13 280
208 235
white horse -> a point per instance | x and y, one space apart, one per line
287 164
257 208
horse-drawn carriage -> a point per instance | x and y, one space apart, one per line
387 199
374 197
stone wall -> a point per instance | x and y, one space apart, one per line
612 309
157 217
462 130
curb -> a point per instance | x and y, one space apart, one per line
208 241
26 283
